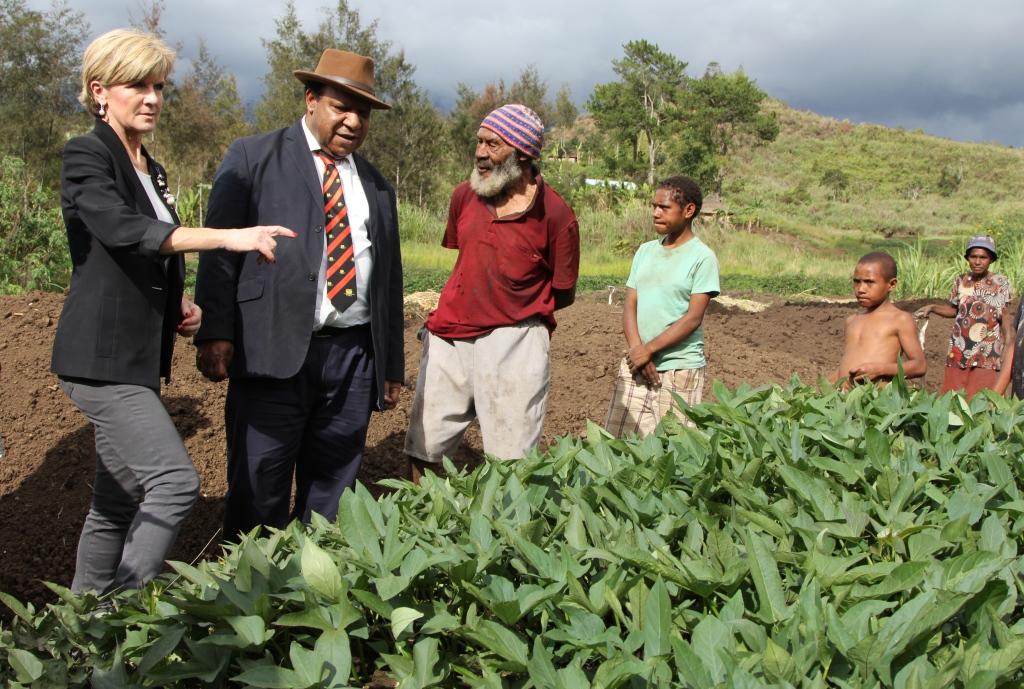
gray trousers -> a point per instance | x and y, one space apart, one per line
145 486
501 379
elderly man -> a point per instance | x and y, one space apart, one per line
314 341
485 350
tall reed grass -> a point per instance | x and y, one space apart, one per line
925 274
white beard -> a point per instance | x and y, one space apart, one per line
501 178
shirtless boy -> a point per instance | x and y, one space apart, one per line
876 337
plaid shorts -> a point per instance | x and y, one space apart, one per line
637 408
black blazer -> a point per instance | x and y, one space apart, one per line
124 303
267 310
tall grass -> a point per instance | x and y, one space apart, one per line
924 274
420 225
748 261
743 252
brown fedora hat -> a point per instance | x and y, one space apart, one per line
346 71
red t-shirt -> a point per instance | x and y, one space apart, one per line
507 267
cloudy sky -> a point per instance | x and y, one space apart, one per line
950 68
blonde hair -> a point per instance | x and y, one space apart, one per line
123 56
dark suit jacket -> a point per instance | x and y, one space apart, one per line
267 310
124 303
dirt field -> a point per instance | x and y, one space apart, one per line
45 479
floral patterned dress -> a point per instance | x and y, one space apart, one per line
977 338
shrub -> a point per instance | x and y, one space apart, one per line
797 195
33 242
191 205
836 182
949 180
912 188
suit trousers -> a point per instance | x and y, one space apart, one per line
145 486
311 426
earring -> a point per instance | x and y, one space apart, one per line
102 110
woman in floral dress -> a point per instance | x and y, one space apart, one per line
981 346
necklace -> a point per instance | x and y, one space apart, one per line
164 190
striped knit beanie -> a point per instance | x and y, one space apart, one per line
519 126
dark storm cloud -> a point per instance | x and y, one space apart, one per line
949 68
939 67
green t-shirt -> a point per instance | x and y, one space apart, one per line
664 279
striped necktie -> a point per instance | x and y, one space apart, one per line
341 262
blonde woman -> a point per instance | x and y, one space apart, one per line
125 304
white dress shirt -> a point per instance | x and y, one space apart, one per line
358 218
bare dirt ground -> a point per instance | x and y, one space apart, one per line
46 476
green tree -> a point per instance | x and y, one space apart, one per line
39 82
470 108
837 182
645 106
151 18
532 91
413 121
405 145
289 50
203 114
562 134
727 107
565 111
692 154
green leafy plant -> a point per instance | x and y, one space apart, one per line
797 537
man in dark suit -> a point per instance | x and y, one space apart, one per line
315 340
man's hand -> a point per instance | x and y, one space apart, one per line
638 357
392 390
191 318
213 358
863 373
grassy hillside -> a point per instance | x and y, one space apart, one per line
894 178
915 195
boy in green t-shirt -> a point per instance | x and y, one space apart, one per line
670 284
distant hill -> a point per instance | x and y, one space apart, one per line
900 184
